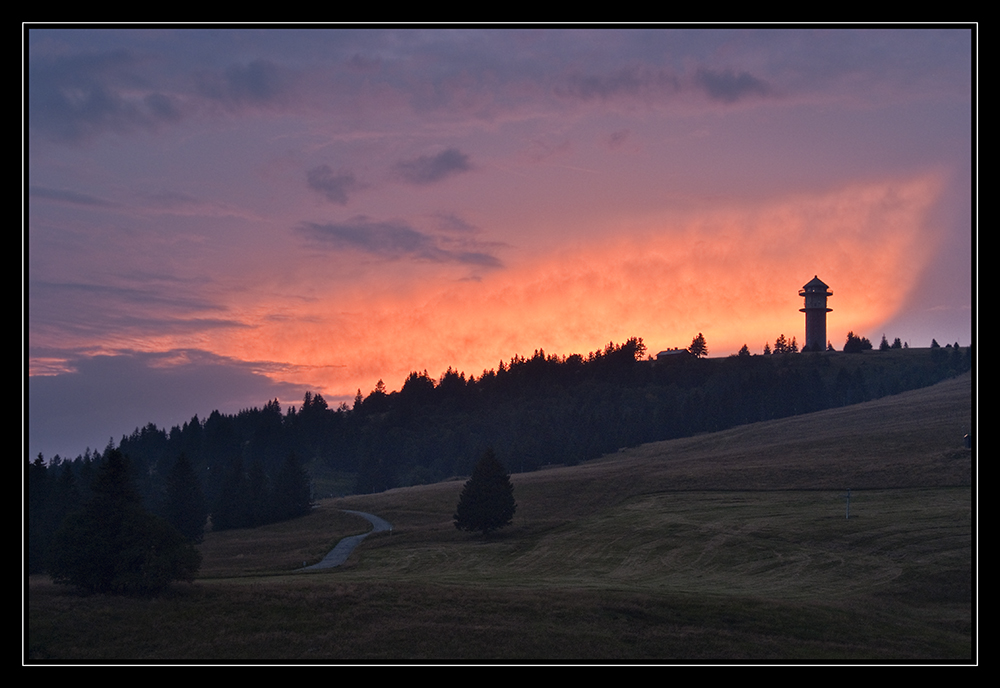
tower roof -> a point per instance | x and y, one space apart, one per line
815 283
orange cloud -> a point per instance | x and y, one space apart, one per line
732 273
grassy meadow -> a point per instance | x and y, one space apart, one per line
719 547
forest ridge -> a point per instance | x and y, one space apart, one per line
531 411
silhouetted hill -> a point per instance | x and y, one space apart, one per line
533 412
915 439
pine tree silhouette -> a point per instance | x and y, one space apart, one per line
113 545
487 500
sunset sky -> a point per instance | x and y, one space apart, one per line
216 218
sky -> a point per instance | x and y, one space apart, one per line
215 218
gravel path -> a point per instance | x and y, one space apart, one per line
339 554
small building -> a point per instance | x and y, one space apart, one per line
673 355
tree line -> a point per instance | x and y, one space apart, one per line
248 467
104 541
163 501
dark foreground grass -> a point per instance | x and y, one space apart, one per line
703 577
323 620
729 546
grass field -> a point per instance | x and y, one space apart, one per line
725 546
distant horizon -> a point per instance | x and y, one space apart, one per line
335 402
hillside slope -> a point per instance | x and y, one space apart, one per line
724 546
914 439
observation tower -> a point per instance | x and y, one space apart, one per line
815 293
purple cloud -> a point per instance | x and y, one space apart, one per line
258 83
428 169
67 196
332 185
728 86
392 241
75 97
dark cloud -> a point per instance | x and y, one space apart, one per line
75 97
386 239
393 241
728 86
334 186
477 258
172 199
155 291
66 196
451 222
649 83
162 107
617 138
628 81
109 396
158 306
364 64
258 83
428 169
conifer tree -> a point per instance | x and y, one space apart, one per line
186 509
259 496
856 344
231 506
698 346
113 545
39 505
487 500
292 490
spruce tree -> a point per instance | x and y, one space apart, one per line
114 546
487 500
39 506
186 509
231 506
260 507
292 490
698 346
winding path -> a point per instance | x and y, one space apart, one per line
338 555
